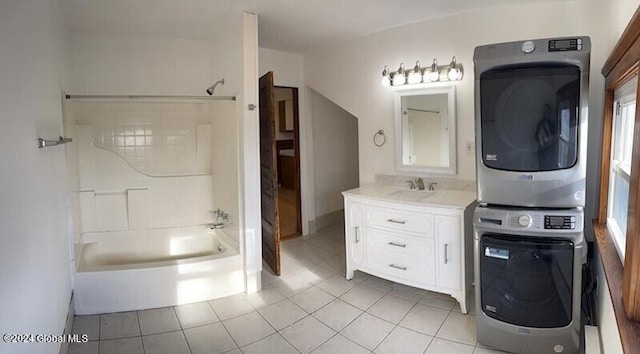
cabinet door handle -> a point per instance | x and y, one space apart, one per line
397 221
357 234
446 258
391 243
397 266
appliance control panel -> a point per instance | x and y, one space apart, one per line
563 45
559 222
529 220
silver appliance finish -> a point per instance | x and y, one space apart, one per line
529 222
552 189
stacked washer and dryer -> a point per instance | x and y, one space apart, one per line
531 142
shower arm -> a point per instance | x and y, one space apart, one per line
212 88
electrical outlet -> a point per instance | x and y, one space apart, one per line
469 147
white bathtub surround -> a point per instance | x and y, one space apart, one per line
138 165
123 271
442 182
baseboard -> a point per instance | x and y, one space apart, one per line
329 219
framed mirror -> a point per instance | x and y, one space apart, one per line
425 128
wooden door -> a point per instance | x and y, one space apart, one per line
269 176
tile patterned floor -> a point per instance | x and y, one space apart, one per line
311 308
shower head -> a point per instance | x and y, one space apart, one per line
212 88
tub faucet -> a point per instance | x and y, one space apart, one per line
216 225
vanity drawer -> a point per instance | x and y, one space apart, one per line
401 220
403 245
417 269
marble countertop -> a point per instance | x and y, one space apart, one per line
391 193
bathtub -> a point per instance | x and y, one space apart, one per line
134 270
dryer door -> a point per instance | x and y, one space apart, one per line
526 281
529 118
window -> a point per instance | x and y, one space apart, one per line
624 109
623 281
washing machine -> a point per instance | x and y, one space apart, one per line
528 274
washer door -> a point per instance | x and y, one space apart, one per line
526 281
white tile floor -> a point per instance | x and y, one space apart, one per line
311 308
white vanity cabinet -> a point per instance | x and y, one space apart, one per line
416 244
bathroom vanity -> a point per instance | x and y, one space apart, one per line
414 237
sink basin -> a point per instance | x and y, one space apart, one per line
412 194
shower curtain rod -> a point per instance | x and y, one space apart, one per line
133 97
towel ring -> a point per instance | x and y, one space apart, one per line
379 138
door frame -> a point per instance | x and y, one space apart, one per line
296 148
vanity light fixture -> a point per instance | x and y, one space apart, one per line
418 75
399 78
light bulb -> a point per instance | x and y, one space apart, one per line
455 72
415 75
434 73
386 79
399 78
414 78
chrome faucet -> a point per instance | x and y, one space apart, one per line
432 186
417 183
220 214
216 225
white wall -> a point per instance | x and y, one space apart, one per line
607 327
335 149
34 256
152 65
621 13
349 74
249 156
288 69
